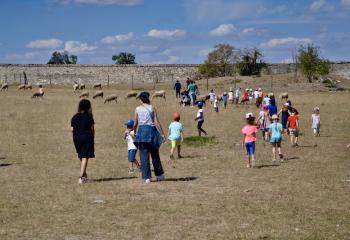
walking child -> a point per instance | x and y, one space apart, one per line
132 149
212 96
249 138
216 104
284 112
224 100
293 126
264 122
316 121
200 119
275 132
175 135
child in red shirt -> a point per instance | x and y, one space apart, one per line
293 125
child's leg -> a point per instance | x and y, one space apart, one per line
274 152
202 130
252 160
179 151
199 132
172 152
248 161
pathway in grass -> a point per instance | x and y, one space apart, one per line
199 141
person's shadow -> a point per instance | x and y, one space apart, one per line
111 179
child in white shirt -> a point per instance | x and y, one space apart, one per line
132 149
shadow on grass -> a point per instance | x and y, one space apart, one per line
267 166
5 164
180 179
2 158
110 179
291 158
308 146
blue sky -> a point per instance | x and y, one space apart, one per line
170 31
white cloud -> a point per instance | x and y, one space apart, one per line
76 47
280 42
173 59
345 3
45 44
321 5
25 57
105 2
223 30
118 38
167 34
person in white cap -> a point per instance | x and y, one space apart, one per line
275 132
249 138
316 121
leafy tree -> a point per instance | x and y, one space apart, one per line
220 61
310 63
124 58
62 58
251 62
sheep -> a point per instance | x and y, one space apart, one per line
75 86
84 94
97 85
4 87
111 98
38 95
130 94
28 86
81 86
98 94
22 86
159 94
283 96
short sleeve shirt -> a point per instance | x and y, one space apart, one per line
292 122
176 129
82 123
276 129
250 133
200 115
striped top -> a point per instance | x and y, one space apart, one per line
145 115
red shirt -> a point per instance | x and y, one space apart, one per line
293 121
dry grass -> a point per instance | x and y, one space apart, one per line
209 194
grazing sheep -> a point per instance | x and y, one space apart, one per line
84 94
4 87
98 94
130 95
39 93
81 86
97 85
111 98
29 86
159 94
75 86
270 95
283 96
22 86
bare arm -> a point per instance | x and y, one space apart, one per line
136 121
182 137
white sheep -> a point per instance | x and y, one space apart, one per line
84 94
98 94
160 94
111 98
75 86
97 85
130 94
4 87
21 86
283 96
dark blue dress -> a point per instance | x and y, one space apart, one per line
284 118
83 136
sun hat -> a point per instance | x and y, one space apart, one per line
176 116
249 115
274 117
130 123
316 109
200 104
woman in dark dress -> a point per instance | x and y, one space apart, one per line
83 136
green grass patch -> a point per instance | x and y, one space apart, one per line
199 141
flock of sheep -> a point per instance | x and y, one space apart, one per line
113 97
37 94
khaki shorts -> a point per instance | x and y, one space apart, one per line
293 132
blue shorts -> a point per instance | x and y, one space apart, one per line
250 147
199 124
132 155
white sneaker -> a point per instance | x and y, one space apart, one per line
161 177
80 181
147 180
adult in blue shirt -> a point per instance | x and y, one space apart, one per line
272 107
177 88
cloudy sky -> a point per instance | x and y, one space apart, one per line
170 31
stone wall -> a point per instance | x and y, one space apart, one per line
120 74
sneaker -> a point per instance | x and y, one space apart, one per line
147 180
161 177
82 180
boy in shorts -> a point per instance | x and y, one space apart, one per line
293 126
200 119
175 135
132 150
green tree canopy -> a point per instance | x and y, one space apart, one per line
62 58
220 61
251 62
124 58
310 63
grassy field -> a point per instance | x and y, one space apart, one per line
209 194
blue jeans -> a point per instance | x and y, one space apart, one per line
146 149
193 97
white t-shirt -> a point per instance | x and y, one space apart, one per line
230 95
216 103
211 96
266 101
238 93
256 94
200 116
130 140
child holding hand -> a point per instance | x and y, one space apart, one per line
249 138
132 149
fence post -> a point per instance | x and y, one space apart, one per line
207 83
132 81
271 84
14 77
108 81
235 81
50 81
5 78
20 79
